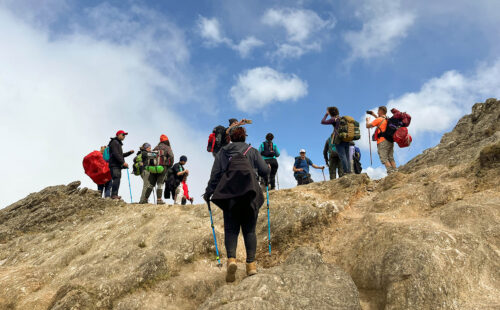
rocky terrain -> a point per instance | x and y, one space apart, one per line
426 237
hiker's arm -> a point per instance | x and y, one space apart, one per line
276 151
215 175
325 152
330 121
371 124
295 169
171 154
128 153
318 167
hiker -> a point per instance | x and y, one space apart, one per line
182 192
301 168
141 161
332 158
235 189
175 177
117 161
270 152
385 148
341 146
158 167
106 187
233 123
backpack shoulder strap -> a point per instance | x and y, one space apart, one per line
245 154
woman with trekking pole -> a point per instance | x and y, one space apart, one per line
234 187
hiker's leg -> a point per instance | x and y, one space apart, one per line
116 175
160 183
343 151
339 167
231 232
107 189
179 194
274 169
248 223
390 155
145 185
100 188
383 149
332 166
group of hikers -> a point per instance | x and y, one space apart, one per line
240 172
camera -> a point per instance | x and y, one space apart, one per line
369 112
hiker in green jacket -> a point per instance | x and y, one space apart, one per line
332 158
270 152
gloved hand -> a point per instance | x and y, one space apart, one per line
207 197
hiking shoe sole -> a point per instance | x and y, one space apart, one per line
231 273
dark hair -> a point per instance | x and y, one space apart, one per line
238 134
269 137
333 111
232 120
383 108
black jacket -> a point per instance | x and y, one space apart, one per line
116 155
222 160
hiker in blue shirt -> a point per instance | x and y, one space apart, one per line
270 152
301 168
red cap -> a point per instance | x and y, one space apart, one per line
163 138
120 132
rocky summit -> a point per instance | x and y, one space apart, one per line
426 237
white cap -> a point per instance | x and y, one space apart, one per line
302 151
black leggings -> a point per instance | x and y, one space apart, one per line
244 217
274 168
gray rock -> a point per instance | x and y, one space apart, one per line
303 281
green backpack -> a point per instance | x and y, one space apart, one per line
137 164
348 129
153 161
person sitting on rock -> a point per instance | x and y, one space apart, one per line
301 168
235 189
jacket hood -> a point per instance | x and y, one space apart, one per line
235 148
116 138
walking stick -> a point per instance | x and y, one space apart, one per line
277 180
154 194
370 142
219 264
129 187
268 220
323 171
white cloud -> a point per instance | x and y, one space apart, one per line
375 173
385 24
259 87
210 30
63 97
441 101
305 30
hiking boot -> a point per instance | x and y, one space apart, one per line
143 202
251 269
160 201
231 270
116 197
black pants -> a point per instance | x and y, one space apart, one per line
244 217
116 175
303 179
274 168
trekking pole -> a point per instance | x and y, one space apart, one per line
219 264
129 187
277 180
323 171
268 220
370 143
154 194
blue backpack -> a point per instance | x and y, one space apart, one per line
106 155
357 153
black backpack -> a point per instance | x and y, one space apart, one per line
220 138
238 184
268 149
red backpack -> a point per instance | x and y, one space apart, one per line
402 138
403 116
211 142
96 168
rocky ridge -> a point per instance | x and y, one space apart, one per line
426 237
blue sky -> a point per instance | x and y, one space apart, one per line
74 72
